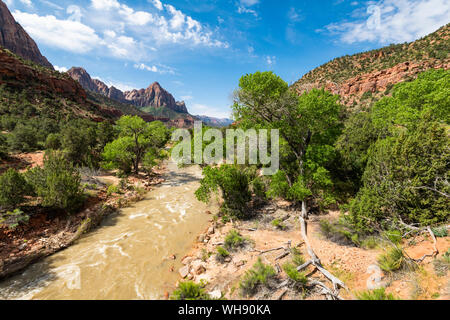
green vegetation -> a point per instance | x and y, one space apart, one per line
297 258
260 275
392 260
57 183
299 278
13 219
189 291
377 294
13 189
222 254
234 186
234 240
138 141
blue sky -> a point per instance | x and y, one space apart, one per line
198 50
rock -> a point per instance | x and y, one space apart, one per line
208 212
227 259
210 230
200 269
173 257
216 294
184 271
186 260
201 238
166 295
240 263
190 276
15 38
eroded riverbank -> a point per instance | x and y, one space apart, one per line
130 256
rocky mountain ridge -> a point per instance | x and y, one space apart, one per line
154 95
14 38
371 74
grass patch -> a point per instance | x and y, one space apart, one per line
260 275
297 257
222 254
394 260
377 294
442 265
338 233
278 223
440 232
299 278
189 291
234 240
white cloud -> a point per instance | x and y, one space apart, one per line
158 5
68 35
28 3
161 69
75 12
243 7
118 85
61 69
51 4
271 60
393 21
249 3
202 109
105 4
187 98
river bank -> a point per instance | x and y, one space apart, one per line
49 232
355 266
133 254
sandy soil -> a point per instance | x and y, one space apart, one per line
355 266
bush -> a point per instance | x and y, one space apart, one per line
13 219
298 277
234 185
3 146
338 233
113 189
58 184
259 275
440 232
53 141
189 291
23 138
377 294
395 236
13 188
297 257
278 223
222 253
393 260
234 240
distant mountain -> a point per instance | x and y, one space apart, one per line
154 96
365 76
14 38
215 122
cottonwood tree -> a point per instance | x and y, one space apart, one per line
137 141
309 126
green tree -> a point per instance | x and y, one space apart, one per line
136 139
57 183
234 186
23 138
309 126
13 188
3 146
406 179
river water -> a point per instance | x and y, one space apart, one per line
128 257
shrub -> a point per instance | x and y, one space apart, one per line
339 233
259 275
14 218
57 183
23 138
392 260
113 189
278 223
189 291
377 294
222 253
234 240
395 236
53 141
3 146
297 257
298 277
234 185
13 188
440 232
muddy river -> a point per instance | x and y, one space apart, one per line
128 257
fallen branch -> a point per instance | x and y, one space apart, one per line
435 252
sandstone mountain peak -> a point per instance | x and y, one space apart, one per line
154 96
14 38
